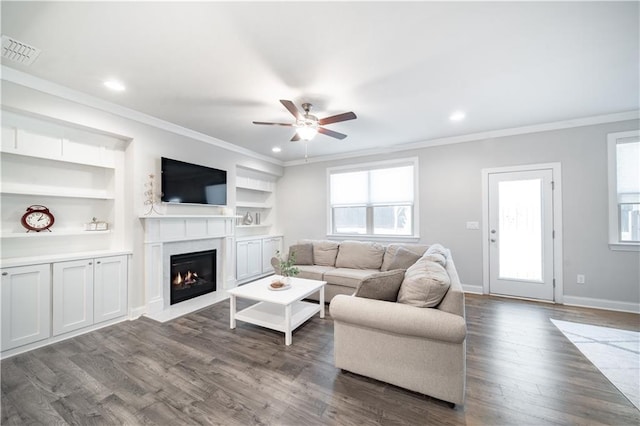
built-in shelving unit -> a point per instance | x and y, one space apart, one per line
67 281
255 242
255 195
77 173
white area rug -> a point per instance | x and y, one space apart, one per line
615 352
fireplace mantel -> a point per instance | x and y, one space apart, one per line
165 235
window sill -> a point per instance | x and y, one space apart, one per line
624 246
380 238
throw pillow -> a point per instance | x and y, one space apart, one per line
325 252
381 286
359 255
303 253
436 249
425 284
403 259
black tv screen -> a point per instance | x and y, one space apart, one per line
187 183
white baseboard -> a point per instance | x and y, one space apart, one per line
470 288
609 305
136 313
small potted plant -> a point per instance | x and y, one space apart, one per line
287 266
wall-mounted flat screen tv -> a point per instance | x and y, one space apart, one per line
187 183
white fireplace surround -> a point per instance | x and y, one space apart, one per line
168 235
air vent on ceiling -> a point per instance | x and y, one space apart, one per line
18 51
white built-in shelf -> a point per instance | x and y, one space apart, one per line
264 188
262 225
53 233
253 205
47 191
188 216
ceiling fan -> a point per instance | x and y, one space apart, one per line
308 125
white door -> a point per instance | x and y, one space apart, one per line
26 305
110 288
521 234
72 295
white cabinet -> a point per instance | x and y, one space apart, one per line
249 259
253 256
26 305
270 246
72 295
88 291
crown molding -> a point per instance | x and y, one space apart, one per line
30 81
535 128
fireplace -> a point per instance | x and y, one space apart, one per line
192 275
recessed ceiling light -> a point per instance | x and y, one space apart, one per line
276 149
457 116
114 85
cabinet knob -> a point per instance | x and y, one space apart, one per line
98 262
4 274
90 263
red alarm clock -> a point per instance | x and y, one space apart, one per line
37 218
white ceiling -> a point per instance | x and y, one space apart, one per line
403 68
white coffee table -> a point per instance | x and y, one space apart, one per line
281 310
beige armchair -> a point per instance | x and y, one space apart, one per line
420 349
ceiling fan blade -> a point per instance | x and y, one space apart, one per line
291 107
331 133
296 137
337 118
273 124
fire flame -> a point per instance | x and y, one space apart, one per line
189 277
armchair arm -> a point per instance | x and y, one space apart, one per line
399 318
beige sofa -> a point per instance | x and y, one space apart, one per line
417 348
344 265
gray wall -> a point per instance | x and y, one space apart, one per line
451 195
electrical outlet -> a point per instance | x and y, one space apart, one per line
580 279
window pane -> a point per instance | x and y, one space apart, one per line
520 229
350 220
349 188
630 222
392 220
628 168
393 185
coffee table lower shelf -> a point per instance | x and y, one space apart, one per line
273 316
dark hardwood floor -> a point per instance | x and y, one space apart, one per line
195 370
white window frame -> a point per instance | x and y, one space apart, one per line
377 165
614 217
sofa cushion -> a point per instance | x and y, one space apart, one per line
360 255
437 249
390 253
424 285
403 259
324 252
303 253
348 277
313 272
381 286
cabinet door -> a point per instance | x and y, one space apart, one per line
254 258
110 288
26 306
269 248
72 295
242 256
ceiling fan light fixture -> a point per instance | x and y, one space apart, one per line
307 132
